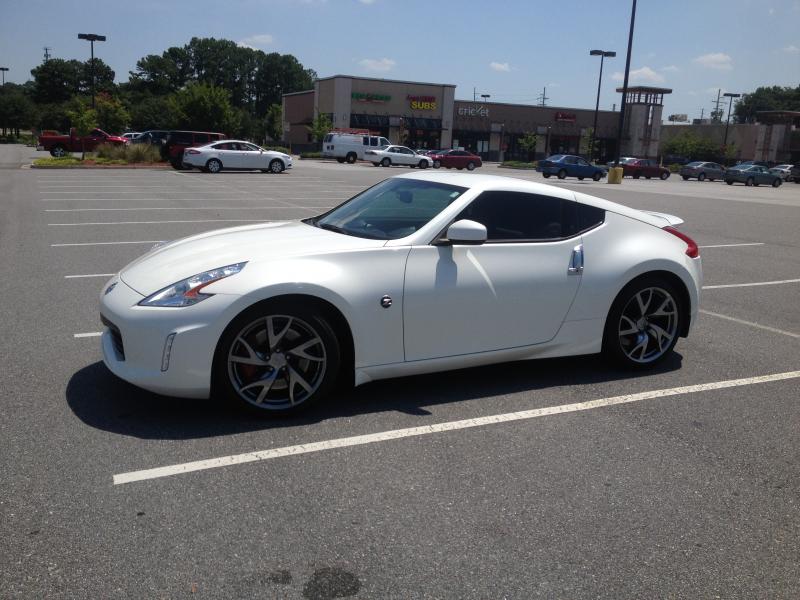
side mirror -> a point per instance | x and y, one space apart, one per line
467 232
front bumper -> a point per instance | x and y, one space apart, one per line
134 340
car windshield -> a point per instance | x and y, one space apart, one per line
555 157
393 209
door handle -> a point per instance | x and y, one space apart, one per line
576 261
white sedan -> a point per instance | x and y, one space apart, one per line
419 273
236 155
387 156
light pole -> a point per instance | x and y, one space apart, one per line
92 37
3 70
602 54
485 98
730 104
625 87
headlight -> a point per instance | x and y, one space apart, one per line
187 291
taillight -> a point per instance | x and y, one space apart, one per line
692 251
190 151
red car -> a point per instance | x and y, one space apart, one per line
644 167
61 145
178 141
455 159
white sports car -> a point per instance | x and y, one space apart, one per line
235 155
397 155
419 273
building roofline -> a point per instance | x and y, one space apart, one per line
386 80
645 88
298 93
615 112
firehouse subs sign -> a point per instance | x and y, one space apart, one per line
422 102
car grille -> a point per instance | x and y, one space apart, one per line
116 337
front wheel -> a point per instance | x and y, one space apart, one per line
562 174
777 183
546 175
701 177
597 176
386 162
58 151
437 164
664 176
423 164
685 177
276 166
729 182
750 182
470 166
277 358
643 323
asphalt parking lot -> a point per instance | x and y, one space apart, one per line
681 482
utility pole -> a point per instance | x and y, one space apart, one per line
702 110
542 98
625 86
47 53
474 94
730 105
716 114
602 54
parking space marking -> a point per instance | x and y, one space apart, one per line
754 284
92 275
90 334
159 222
359 440
732 245
751 324
105 243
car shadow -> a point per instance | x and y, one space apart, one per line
103 401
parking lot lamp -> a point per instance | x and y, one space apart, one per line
602 54
625 87
730 105
92 37
3 70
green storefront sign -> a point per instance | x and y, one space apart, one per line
362 97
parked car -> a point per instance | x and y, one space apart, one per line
796 173
702 170
674 159
236 155
152 136
270 316
397 155
784 171
567 165
61 145
644 167
350 147
750 175
131 135
178 141
622 161
455 159
760 163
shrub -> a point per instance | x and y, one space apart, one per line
311 155
277 149
674 168
518 164
128 153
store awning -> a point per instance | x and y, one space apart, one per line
423 123
373 121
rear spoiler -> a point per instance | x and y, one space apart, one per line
671 220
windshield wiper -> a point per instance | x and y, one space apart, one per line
335 228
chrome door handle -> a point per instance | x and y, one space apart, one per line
576 260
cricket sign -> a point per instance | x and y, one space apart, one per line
473 111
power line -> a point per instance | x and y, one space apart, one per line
542 98
47 53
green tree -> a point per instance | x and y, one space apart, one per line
766 98
111 114
83 119
56 80
692 146
204 107
152 112
588 145
273 123
320 126
16 110
528 143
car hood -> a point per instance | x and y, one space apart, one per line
177 260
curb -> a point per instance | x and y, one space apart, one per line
150 166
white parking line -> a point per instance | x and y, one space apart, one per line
757 283
751 324
359 440
89 334
159 222
732 245
92 275
105 243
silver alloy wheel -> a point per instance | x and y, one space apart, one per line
648 325
437 164
470 166
277 362
276 166
58 151
386 162
214 166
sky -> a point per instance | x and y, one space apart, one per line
509 49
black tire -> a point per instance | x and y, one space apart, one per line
664 176
351 157
177 165
58 151
647 176
386 162
276 166
423 164
750 182
636 175
562 174
701 177
797 179
580 178
305 323
340 160
597 176
213 165
777 182
376 164
620 347
546 175
437 164
470 166
685 177
729 181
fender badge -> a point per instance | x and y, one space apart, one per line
386 301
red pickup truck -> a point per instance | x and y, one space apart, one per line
60 145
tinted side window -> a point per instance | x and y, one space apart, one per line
201 138
589 217
180 137
517 216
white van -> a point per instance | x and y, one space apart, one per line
349 147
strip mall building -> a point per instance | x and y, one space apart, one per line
427 115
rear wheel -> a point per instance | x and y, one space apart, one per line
423 164
376 164
386 162
643 323
437 164
777 182
213 166
701 177
636 175
750 182
546 175
685 177
351 157
470 166
58 151
729 181
276 166
340 160
664 175
277 358
562 174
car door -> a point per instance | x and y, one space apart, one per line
251 156
583 168
407 156
514 290
228 154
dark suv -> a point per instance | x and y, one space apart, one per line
794 174
177 141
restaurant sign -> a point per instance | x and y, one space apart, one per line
362 97
422 102
563 117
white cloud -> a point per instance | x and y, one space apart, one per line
669 69
715 60
792 49
643 75
771 11
553 85
257 41
367 1
378 65
503 67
